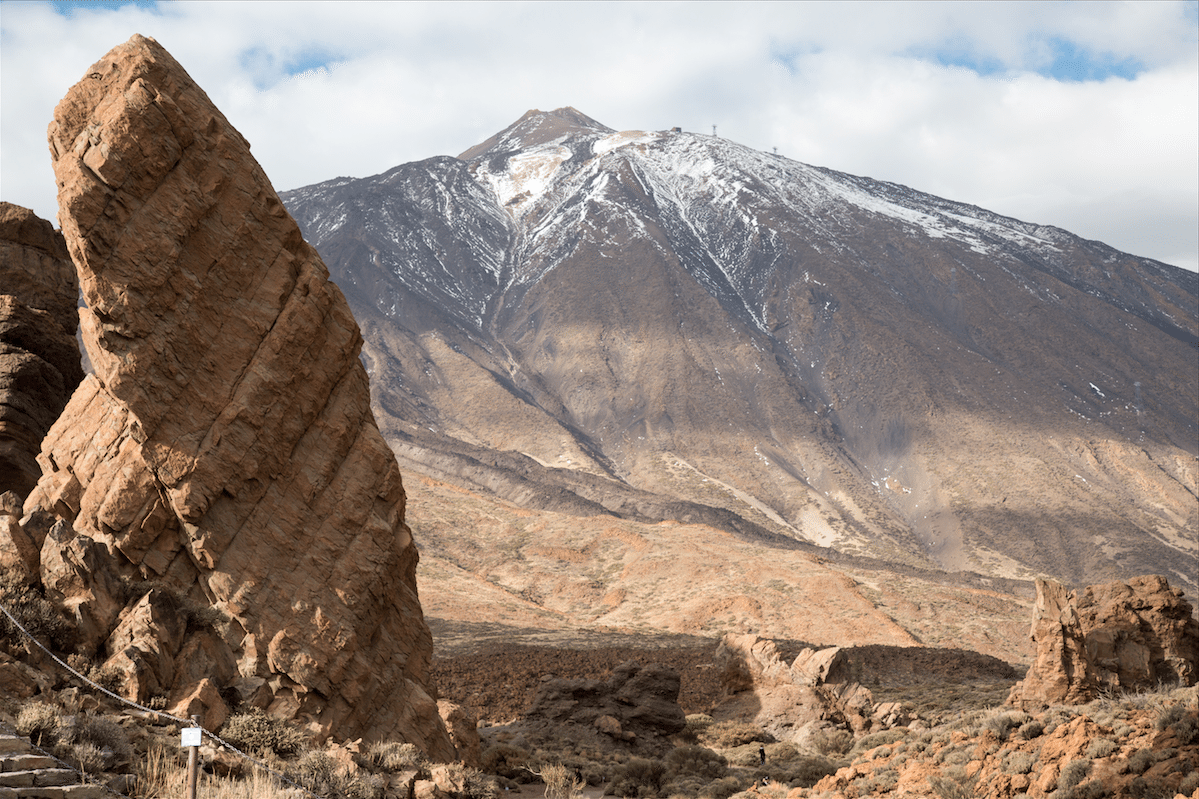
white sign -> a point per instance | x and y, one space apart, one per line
190 736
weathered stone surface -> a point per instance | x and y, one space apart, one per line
1123 636
39 359
787 700
225 444
464 731
636 704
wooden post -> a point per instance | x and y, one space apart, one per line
193 764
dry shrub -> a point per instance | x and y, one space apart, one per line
1073 773
256 732
953 784
560 781
722 788
728 734
638 778
34 612
39 723
507 761
393 756
1031 729
1019 762
1100 747
696 761
1182 722
831 741
868 742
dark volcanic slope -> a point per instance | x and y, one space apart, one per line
663 324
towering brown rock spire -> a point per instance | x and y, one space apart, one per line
225 444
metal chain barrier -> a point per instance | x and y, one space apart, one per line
158 713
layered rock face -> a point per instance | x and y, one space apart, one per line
792 700
39 359
225 446
1122 636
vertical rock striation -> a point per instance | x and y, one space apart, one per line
1123 636
225 445
39 359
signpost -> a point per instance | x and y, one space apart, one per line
190 737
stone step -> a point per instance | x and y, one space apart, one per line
26 762
11 743
59 792
37 778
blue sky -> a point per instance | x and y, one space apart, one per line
1080 115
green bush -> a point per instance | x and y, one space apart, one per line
256 732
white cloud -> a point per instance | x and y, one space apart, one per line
864 88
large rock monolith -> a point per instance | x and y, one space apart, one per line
1119 636
225 447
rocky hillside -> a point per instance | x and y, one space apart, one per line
666 326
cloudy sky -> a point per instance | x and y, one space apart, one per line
1081 115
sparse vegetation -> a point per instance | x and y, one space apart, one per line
258 733
33 612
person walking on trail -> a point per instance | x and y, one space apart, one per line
761 756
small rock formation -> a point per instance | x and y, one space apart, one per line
223 455
39 359
788 700
1121 636
637 705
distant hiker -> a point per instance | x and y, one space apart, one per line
761 756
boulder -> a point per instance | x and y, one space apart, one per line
39 358
225 445
1122 636
787 699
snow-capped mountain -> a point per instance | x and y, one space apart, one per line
665 325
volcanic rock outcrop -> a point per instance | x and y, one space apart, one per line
1122 636
225 447
39 359
637 705
791 700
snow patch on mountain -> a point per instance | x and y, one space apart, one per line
623 139
526 177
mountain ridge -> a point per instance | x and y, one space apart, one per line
829 358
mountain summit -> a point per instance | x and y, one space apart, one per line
662 325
